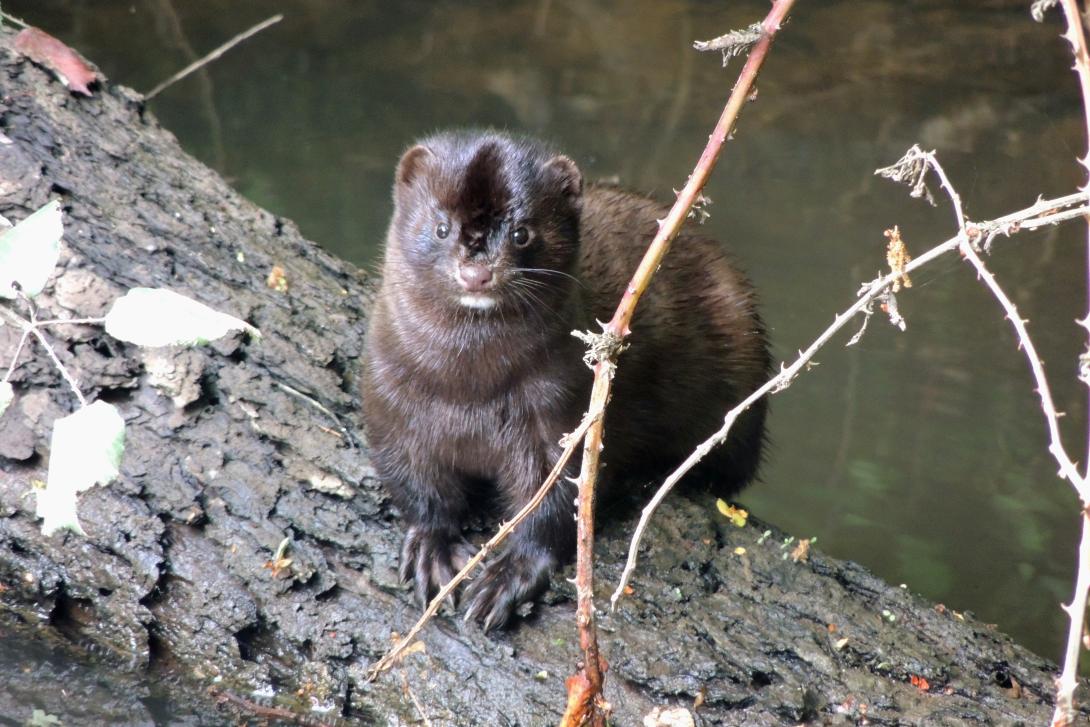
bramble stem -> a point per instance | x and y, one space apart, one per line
1040 214
586 704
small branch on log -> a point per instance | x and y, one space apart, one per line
1065 710
15 357
416 702
73 322
1040 214
31 328
344 433
200 62
246 706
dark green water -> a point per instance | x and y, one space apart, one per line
920 454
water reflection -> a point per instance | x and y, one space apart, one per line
920 454
52 685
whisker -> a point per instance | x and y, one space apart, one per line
549 271
527 294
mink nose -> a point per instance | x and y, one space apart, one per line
475 277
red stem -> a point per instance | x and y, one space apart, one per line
686 198
586 704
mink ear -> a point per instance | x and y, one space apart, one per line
412 163
563 172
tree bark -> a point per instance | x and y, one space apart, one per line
223 462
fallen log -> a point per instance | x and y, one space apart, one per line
235 447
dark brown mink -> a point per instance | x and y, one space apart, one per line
495 253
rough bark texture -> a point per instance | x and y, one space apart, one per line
223 463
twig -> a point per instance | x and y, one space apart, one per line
591 708
1076 611
225 697
1037 215
212 56
60 367
570 442
1064 713
30 328
415 701
15 358
966 235
73 321
318 405
13 20
1068 469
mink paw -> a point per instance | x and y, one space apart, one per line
507 582
430 558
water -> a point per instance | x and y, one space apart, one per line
54 685
920 454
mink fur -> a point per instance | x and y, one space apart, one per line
494 254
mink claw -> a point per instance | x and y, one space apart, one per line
429 559
508 582
492 607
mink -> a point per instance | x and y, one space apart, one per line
495 253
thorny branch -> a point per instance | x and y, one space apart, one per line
1064 713
1040 214
969 237
590 707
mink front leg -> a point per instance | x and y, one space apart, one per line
540 544
434 505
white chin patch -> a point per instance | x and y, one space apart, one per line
480 302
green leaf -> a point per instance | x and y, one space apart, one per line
85 451
7 394
157 317
29 251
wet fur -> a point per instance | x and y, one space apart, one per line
455 396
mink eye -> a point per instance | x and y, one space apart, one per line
520 237
442 230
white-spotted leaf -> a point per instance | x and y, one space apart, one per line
157 317
29 251
85 451
7 394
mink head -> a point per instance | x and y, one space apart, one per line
485 222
